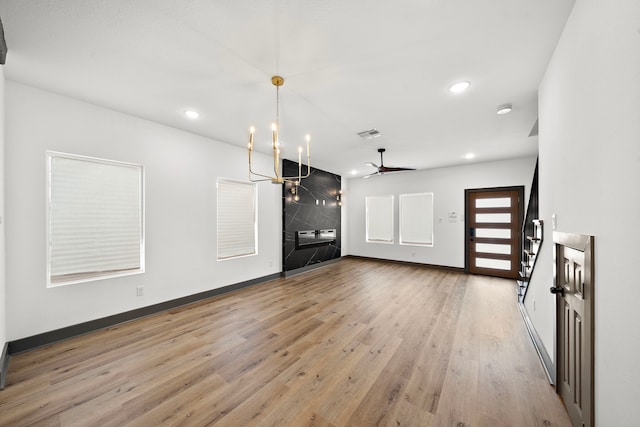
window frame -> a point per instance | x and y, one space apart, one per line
402 203
75 278
368 211
254 187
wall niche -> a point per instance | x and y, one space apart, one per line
311 224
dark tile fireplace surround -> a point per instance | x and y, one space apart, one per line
311 225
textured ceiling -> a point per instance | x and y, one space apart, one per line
349 65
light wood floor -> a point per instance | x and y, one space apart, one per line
356 343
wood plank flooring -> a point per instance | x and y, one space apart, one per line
355 343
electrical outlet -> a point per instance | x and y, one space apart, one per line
140 291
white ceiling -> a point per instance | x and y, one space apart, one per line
349 65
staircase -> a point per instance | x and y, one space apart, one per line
532 236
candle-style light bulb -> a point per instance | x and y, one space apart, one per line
274 134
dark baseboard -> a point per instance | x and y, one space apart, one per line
46 338
4 365
547 364
309 267
414 264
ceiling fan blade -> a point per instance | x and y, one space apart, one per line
392 169
371 174
382 169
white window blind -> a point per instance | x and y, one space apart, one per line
380 219
95 219
416 219
237 226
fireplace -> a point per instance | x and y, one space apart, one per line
314 238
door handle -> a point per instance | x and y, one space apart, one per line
472 233
557 290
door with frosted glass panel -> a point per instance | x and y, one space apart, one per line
493 238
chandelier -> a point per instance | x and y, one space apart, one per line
277 178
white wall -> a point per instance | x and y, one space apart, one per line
3 303
448 185
180 174
590 177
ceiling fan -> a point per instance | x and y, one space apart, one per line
382 169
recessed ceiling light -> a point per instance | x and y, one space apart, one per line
191 114
354 172
504 109
459 87
469 156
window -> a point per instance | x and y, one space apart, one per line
416 219
380 219
94 219
237 225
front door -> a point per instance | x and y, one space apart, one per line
573 286
493 231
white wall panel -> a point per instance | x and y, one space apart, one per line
180 203
3 304
447 186
590 178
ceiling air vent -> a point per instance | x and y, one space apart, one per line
369 134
